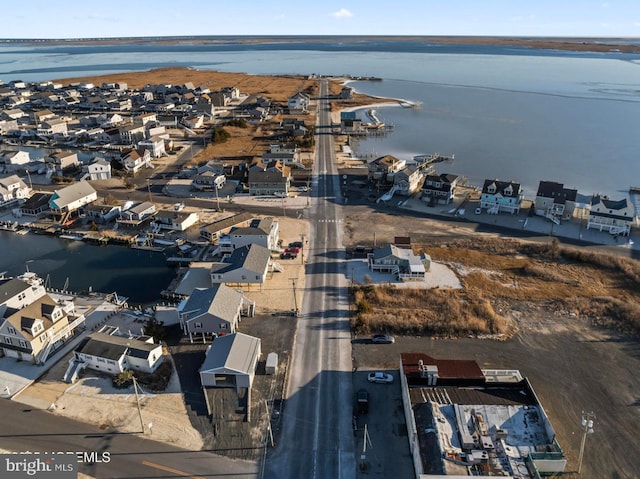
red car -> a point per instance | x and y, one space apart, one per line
292 250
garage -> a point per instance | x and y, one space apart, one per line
231 362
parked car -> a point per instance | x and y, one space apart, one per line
383 339
295 244
286 255
380 377
292 250
362 398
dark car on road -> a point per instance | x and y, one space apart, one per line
295 244
287 255
383 339
362 398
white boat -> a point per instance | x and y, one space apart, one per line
72 237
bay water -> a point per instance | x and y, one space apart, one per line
509 113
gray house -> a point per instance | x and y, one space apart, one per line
247 264
213 311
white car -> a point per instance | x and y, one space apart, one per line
380 377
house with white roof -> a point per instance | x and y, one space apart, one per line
14 160
137 213
134 160
299 102
175 220
231 361
70 199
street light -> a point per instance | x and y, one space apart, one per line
587 428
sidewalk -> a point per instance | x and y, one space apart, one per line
522 223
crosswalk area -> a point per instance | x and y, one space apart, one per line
330 221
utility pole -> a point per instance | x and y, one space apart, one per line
587 428
295 299
266 405
135 388
217 198
149 189
302 248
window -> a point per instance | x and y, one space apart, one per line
11 330
6 339
23 344
101 360
224 326
198 325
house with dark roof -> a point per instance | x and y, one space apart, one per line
554 200
17 293
615 217
498 196
299 103
246 265
215 230
261 231
213 311
36 205
175 220
272 179
114 354
439 189
384 168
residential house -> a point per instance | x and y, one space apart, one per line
231 91
132 134
65 202
231 361
14 160
553 200
168 121
16 293
39 116
134 160
261 231
114 354
31 333
208 180
53 126
408 180
13 114
350 123
175 220
384 168
137 213
110 120
146 119
13 190
154 145
439 189
615 217
61 161
498 196
346 93
246 265
212 311
98 169
285 154
37 205
102 213
275 178
299 103
399 261
215 230
193 122
9 127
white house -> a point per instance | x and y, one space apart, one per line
14 160
61 160
299 102
13 190
138 213
114 354
134 160
616 217
261 231
17 293
231 361
154 145
175 220
53 126
71 198
99 169
498 196
196 121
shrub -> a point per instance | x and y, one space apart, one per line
123 380
219 135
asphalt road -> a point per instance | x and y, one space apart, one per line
316 439
129 456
